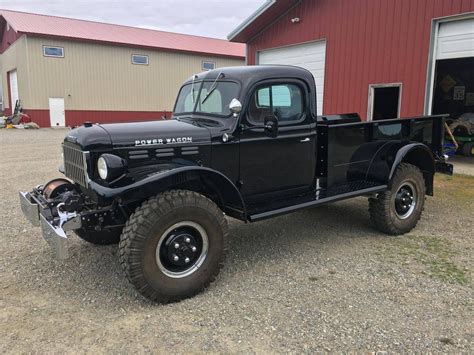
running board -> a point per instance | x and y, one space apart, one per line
316 202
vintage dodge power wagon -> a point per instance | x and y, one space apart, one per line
243 142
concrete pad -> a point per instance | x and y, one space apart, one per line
462 165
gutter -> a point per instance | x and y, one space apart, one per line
250 19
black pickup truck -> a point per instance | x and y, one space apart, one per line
243 142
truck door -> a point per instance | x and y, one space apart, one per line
285 163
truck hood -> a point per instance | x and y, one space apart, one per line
139 134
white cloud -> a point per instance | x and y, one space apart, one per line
212 18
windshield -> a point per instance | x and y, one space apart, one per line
209 98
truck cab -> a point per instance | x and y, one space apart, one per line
243 142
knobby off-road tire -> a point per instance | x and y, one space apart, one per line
173 246
468 150
104 237
397 210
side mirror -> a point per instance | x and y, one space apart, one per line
235 107
271 126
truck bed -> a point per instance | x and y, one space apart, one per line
345 151
346 164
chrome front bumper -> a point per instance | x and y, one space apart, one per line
53 229
30 209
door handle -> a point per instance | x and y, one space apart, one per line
305 140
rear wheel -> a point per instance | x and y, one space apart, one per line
397 210
174 245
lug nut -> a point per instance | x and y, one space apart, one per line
186 260
176 245
188 240
175 258
194 249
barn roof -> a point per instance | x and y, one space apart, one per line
74 29
261 18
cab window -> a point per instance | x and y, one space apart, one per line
285 101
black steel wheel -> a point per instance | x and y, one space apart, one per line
405 200
173 246
182 249
397 210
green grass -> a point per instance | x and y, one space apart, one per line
460 187
433 255
436 256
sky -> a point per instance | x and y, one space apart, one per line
211 18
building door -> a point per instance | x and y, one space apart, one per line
311 56
56 112
384 101
13 89
453 80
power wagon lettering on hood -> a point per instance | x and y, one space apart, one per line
154 141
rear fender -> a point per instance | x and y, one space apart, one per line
210 183
418 155
390 154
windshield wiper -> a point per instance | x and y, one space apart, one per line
213 87
190 120
192 87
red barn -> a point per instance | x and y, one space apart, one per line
380 58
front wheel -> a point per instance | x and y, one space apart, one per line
173 245
397 210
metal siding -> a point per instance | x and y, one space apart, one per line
368 42
101 77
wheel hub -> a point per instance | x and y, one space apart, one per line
182 249
405 201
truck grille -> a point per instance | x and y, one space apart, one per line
75 166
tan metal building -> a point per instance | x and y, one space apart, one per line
64 72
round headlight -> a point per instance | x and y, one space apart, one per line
102 168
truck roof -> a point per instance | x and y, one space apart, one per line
247 75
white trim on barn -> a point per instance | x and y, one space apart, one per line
370 107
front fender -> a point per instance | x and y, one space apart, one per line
229 197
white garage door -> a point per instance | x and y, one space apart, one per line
311 56
456 39
13 89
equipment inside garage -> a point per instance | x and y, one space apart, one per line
453 91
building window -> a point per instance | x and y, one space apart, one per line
139 59
208 65
57 52
384 101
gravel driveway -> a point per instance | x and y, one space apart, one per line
316 280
